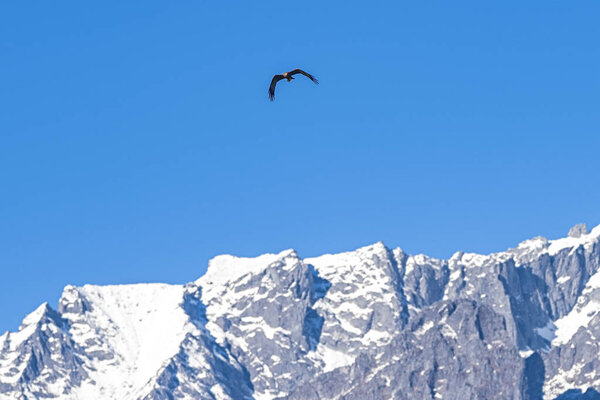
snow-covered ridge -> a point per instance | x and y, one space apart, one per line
530 249
542 245
11 341
585 240
349 257
227 268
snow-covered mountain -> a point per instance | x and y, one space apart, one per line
374 323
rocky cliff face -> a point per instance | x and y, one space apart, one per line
374 323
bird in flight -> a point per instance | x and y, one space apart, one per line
289 77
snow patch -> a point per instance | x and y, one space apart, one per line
579 317
333 359
593 283
375 335
448 332
536 243
526 353
251 324
143 325
424 328
474 259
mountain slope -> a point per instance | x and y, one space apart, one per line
368 324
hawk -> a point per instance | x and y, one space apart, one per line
289 77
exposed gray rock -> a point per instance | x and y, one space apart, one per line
578 231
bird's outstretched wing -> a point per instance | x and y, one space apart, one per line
309 76
276 78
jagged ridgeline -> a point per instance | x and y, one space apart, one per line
374 323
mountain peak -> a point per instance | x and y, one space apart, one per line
36 316
578 231
228 268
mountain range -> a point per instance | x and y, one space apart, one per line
374 323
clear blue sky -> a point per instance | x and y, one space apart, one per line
137 140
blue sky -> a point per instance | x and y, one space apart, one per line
137 141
